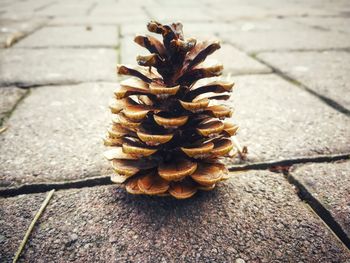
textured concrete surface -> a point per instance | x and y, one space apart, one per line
340 24
56 135
9 96
280 121
11 30
72 36
327 75
329 184
105 224
15 217
281 34
27 67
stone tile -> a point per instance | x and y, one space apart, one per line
326 73
99 20
237 62
16 215
28 67
56 134
280 34
27 8
9 96
340 24
68 8
329 184
126 9
129 50
72 36
171 14
232 10
256 217
281 121
11 30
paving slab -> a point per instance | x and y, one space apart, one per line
22 9
235 61
340 24
27 67
99 20
279 120
72 36
282 34
55 134
20 211
329 184
12 30
120 8
326 73
171 14
232 10
254 217
9 96
67 8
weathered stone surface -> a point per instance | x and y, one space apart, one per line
129 50
23 9
9 96
255 217
98 20
11 30
28 67
329 184
72 36
56 135
281 34
237 62
340 24
233 10
15 217
175 13
278 120
327 73
66 8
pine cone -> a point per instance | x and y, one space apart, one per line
168 135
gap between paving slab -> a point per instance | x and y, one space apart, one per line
320 210
105 180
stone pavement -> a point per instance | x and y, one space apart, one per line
288 202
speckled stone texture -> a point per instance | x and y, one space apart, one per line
340 24
281 34
27 67
329 183
9 96
72 36
56 135
11 30
15 217
323 72
255 217
279 120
